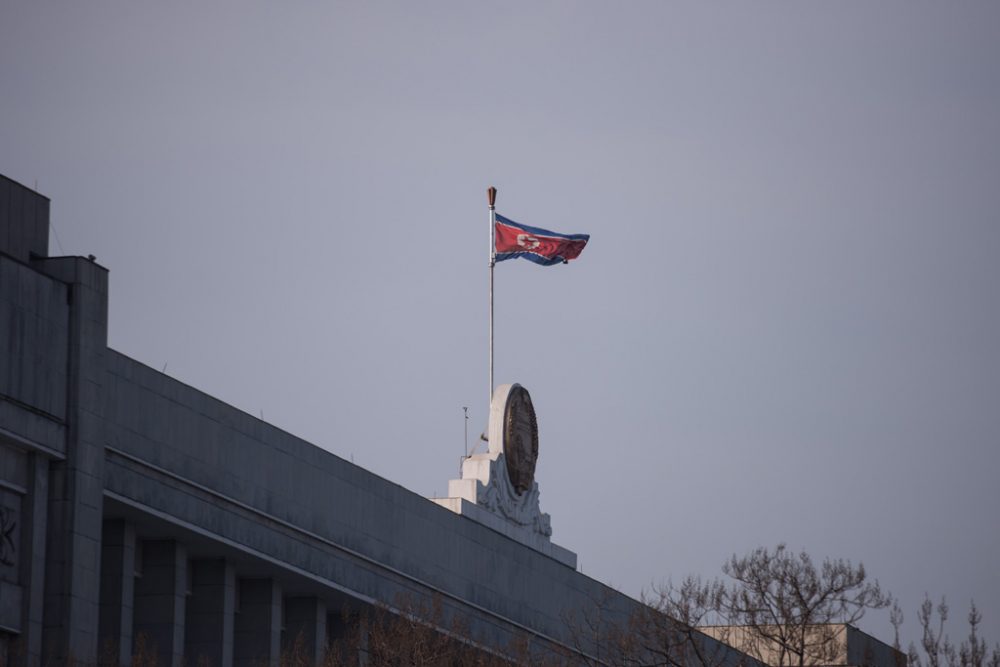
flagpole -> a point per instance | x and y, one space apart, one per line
491 196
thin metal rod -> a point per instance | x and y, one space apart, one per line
493 255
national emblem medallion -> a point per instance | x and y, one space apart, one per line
520 438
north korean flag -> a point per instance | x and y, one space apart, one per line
537 245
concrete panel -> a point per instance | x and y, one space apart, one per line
5 217
33 533
24 220
11 601
13 467
72 600
117 592
30 430
35 339
160 601
305 630
257 631
210 613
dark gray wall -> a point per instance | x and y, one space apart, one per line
178 451
24 221
34 339
863 649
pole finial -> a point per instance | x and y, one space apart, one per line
491 196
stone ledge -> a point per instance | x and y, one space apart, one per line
522 535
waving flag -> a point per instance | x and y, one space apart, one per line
537 245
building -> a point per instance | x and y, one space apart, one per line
825 645
134 506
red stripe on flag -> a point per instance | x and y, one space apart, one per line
511 239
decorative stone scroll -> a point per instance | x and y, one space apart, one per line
486 482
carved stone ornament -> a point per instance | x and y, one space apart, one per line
507 485
519 437
8 524
499 496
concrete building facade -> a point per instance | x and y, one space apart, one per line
134 505
140 515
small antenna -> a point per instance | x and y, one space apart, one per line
466 411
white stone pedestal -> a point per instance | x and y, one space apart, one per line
486 494
492 502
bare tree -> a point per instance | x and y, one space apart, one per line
937 649
418 632
776 607
896 618
669 631
790 608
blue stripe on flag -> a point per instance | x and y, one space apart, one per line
541 232
531 257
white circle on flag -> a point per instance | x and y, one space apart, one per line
527 241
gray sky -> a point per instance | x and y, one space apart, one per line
784 328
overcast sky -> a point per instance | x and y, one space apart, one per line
785 327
